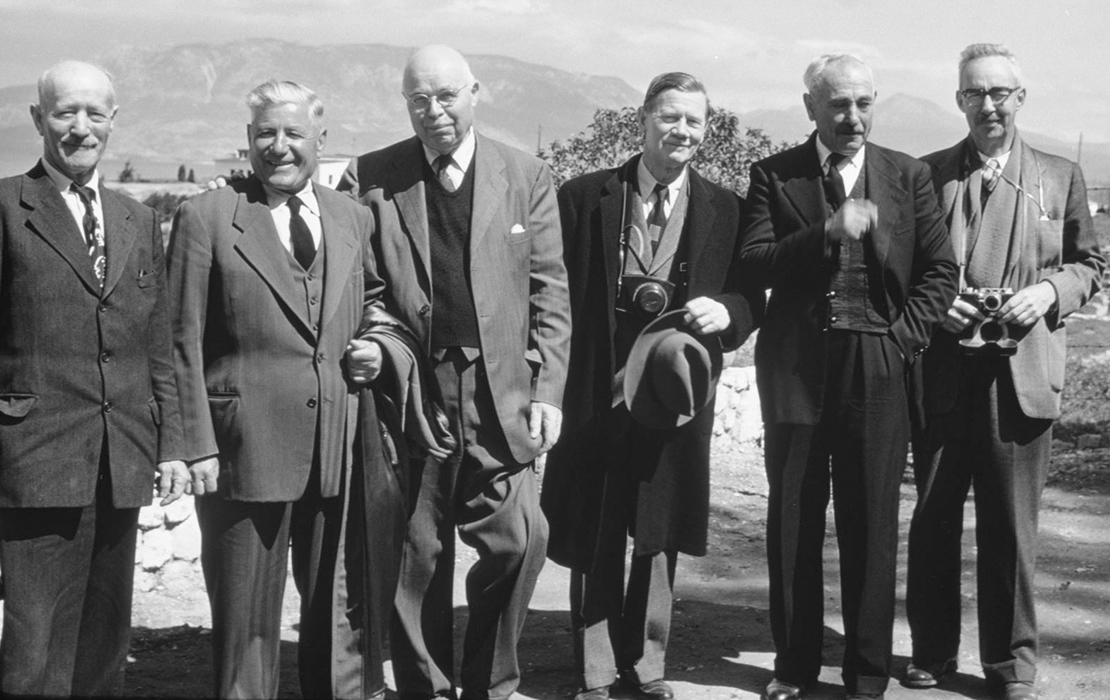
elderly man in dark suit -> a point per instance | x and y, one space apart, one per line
271 279
849 237
88 403
470 250
1019 222
610 476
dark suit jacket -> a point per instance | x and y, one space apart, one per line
1056 242
670 467
260 386
81 367
911 275
517 277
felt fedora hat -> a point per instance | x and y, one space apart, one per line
671 373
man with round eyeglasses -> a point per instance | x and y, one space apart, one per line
1021 229
471 252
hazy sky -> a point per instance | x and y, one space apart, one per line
750 53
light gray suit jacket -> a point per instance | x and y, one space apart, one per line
1055 241
517 276
255 376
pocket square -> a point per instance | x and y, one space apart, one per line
517 228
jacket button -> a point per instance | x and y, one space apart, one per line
312 301
105 356
311 403
831 295
107 406
424 310
833 319
101 307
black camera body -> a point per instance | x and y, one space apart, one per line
645 296
989 337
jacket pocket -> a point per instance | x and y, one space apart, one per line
16 405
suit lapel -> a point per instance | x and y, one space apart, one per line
259 245
490 189
119 238
613 207
406 183
804 192
883 185
700 215
50 218
340 252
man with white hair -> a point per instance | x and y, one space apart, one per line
88 404
991 381
848 236
471 252
271 278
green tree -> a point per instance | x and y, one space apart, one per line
128 173
725 156
181 173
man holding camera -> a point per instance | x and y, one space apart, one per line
648 237
991 380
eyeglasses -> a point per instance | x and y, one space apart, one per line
444 98
998 95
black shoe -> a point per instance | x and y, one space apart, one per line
1019 691
781 690
927 675
593 694
657 689
865 696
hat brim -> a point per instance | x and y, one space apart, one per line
643 404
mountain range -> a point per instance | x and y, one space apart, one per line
185 104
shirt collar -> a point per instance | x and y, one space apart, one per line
63 181
823 153
307 196
1002 159
646 181
462 155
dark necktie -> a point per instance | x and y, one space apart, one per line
441 172
304 250
94 242
657 219
833 182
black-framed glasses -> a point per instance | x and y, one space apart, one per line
998 95
444 98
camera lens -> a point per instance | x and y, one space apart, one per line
992 331
651 298
992 302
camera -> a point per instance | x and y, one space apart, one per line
645 296
989 337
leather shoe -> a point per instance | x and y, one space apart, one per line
781 690
657 689
593 694
1019 691
927 675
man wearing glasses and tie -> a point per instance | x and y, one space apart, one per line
992 377
470 248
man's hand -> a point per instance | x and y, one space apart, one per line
546 421
1028 305
853 220
364 360
962 315
706 316
205 473
173 479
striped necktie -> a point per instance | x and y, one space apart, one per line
94 239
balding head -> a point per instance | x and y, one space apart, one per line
839 99
441 93
77 103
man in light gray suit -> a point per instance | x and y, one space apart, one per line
1019 221
470 248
